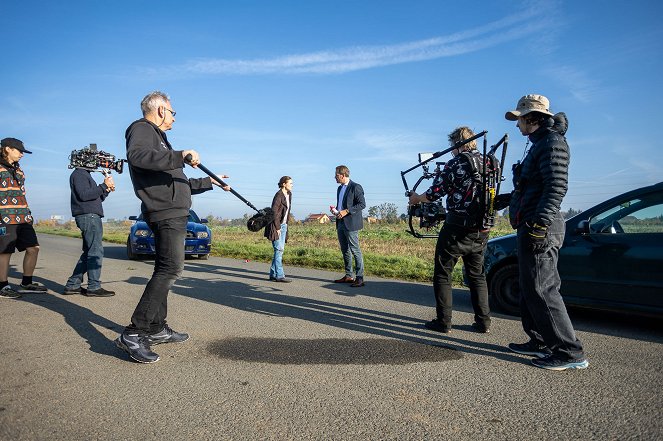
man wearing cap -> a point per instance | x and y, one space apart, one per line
540 182
16 231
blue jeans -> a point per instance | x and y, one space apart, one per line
150 314
89 263
543 312
349 241
276 270
455 242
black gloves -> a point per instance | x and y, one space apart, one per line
502 201
537 235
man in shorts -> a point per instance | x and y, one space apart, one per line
16 231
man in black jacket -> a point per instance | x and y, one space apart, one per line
165 192
86 199
540 182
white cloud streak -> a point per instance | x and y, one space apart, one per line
339 61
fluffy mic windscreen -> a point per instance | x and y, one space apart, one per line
260 219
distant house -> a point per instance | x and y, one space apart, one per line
372 220
320 218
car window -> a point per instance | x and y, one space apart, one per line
193 217
640 215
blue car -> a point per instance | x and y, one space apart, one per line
611 259
140 242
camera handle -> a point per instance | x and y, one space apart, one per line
188 158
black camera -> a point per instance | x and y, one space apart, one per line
430 214
92 159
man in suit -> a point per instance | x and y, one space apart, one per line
349 220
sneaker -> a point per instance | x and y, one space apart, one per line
100 292
167 335
437 326
530 348
72 291
138 347
32 287
9 293
481 329
555 363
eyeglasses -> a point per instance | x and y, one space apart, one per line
172 112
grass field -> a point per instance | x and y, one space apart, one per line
389 251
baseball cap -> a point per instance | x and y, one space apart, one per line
14 143
529 104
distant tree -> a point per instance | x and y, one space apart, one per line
373 211
570 213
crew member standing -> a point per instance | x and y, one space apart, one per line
277 230
165 192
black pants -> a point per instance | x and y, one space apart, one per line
455 242
150 314
542 310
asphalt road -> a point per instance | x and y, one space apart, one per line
305 360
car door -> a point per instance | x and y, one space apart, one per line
618 258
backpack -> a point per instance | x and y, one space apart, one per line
486 176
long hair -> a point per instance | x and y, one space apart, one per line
461 134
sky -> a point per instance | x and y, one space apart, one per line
264 89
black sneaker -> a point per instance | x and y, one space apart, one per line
481 329
556 363
167 335
8 292
72 291
32 287
437 326
530 348
99 292
138 347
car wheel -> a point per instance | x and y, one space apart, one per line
505 290
130 254
203 256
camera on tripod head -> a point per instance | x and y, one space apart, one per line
92 159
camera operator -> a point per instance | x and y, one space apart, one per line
86 199
16 230
165 192
462 234
540 183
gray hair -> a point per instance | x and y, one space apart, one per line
153 101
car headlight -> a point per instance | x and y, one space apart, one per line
202 235
143 233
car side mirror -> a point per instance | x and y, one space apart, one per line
203 221
583 227
133 218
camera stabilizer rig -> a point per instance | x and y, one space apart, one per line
92 159
425 219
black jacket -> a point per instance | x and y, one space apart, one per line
86 195
541 180
157 173
278 207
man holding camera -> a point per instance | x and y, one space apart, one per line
165 192
540 183
86 199
462 235
16 230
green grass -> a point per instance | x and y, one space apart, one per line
389 251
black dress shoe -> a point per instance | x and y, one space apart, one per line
284 280
481 329
437 326
345 279
359 282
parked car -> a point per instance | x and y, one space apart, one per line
198 242
611 259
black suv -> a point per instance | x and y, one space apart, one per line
611 259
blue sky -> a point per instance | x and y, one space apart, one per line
264 89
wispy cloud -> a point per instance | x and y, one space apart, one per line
578 82
338 61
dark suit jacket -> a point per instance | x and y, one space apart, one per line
278 207
354 202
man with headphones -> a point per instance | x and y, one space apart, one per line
540 182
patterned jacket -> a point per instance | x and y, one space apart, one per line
13 204
456 181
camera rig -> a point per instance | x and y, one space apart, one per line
425 219
92 159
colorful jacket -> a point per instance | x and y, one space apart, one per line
13 204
